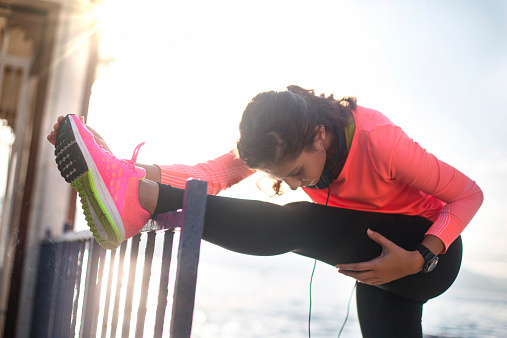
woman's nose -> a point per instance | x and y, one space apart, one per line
293 182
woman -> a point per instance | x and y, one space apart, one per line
394 209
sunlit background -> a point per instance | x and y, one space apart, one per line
178 74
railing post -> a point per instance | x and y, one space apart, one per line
194 207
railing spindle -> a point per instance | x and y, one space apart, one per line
163 290
43 294
148 259
116 309
54 289
89 322
60 287
68 274
77 285
130 285
108 294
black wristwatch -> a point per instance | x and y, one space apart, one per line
430 258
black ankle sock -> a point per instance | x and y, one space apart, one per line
169 199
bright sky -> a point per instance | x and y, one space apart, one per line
185 70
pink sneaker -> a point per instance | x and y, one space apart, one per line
106 185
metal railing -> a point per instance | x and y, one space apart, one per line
84 290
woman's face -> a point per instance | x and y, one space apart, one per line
304 171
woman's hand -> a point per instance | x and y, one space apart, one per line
100 141
394 263
52 135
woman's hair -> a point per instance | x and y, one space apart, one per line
277 126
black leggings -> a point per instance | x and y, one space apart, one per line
331 235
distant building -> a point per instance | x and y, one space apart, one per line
48 57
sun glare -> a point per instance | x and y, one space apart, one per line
109 28
179 74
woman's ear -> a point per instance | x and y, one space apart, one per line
319 143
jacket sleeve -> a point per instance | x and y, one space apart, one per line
220 173
406 161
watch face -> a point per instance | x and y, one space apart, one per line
429 266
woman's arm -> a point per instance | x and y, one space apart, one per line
409 163
399 158
220 173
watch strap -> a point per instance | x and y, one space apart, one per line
425 252
430 258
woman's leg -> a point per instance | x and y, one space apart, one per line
329 234
341 238
382 314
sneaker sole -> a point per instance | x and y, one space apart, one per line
77 168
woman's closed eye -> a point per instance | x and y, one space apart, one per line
298 173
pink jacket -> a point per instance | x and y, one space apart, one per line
385 172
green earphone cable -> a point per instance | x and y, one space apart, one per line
311 281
